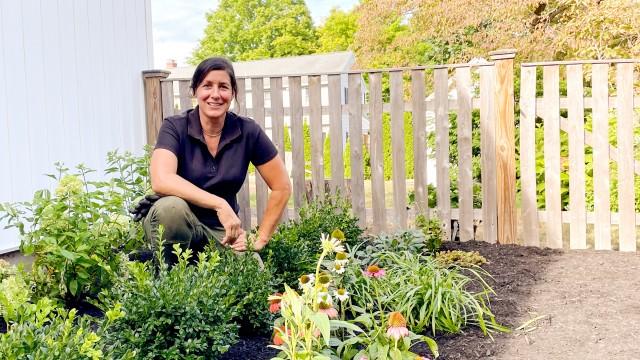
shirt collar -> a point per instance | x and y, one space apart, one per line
230 130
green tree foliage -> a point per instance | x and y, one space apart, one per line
257 29
338 31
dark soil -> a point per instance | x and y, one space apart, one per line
559 305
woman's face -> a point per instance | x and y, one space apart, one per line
214 95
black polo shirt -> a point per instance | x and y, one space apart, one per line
242 141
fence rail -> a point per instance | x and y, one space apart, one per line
480 99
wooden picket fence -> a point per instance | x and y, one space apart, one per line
427 91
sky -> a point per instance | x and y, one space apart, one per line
178 25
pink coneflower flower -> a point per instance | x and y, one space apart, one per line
274 302
325 308
374 271
397 326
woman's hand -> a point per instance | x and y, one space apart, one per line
240 243
231 223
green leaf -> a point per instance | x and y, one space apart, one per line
322 322
73 287
433 346
68 254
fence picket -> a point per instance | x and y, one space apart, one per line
626 196
277 124
577 204
244 193
551 117
602 203
257 102
297 142
167 99
442 148
418 108
488 155
528 156
377 154
315 118
335 133
184 92
398 153
465 186
355 139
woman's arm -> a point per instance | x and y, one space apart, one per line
275 175
166 181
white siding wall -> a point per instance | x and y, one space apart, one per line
70 88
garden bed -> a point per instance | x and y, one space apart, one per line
583 301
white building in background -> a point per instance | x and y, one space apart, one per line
336 62
70 88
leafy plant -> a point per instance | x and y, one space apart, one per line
372 247
293 251
178 313
432 230
15 295
304 328
252 286
53 335
460 258
430 296
6 269
75 232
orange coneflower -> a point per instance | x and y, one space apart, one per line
274 302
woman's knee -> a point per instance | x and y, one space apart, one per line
170 209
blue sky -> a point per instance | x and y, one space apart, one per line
179 24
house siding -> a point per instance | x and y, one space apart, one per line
70 88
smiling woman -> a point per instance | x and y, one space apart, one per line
199 164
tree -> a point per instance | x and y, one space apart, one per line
257 29
338 31
417 32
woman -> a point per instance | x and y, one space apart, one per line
200 162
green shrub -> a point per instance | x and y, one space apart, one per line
15 295
252 286
74 233
429 295
6 269
293 249
178 313
53 335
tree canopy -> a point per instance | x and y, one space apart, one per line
257 29
338 31
411 32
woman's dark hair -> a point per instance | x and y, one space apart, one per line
211 64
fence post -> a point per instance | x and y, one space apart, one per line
153 102
505 145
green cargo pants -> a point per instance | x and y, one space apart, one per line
181 226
